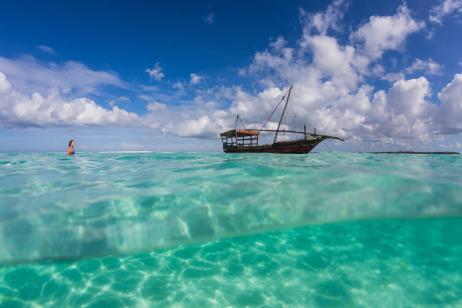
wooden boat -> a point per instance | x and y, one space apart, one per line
246 140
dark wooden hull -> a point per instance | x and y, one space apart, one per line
284 147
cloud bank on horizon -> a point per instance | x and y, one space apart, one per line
331 78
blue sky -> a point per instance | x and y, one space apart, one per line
170 76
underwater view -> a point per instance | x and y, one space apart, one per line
211 229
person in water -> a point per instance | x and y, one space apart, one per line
70 148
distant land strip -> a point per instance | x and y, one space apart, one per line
414 152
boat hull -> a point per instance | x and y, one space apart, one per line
284 147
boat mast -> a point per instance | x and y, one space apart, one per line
282 115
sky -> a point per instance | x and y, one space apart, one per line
148 75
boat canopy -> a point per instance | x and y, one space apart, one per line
240 133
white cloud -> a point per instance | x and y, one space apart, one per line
401 113
330 92
209 19
445 8
200 127
4 83
408 97
179 85
27 74
392 77
195 79
334 60
156 106
118 100
382 33
450 112
429 67
156 72
199 119
323 21
22 109
46 49
348 65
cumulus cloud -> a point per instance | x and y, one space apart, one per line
445 8
28 74
334 60
277 58
195 79
382 33
118 100
330 92
4 83
323 21
156 72
156 106
403 111
180 86
450 112
199 119
199 127
351 62
418 66
22 109
429 67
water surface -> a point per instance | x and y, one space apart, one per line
209 228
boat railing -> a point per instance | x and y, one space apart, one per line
240 141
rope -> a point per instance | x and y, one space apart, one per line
330 150
274 110
286 124
238 118
235 122
242 122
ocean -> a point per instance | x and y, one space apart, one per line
212 229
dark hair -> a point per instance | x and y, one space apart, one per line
70 141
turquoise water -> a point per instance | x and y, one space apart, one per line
196 229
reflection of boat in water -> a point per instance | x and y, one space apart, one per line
246 140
